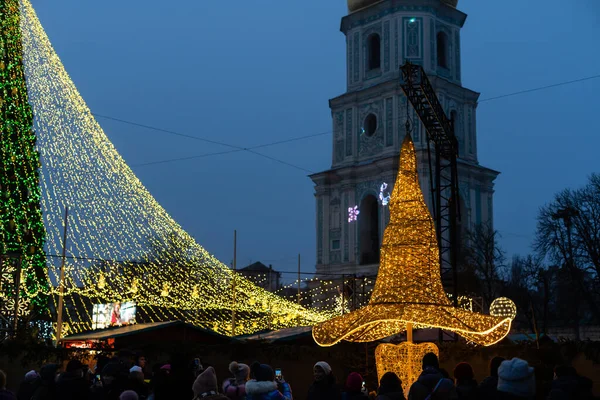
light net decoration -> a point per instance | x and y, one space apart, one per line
122 245
503 307
21 226
409 288
404 359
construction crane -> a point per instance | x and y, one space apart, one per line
444 175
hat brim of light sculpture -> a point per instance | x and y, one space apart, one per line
378 321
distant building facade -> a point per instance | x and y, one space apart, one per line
263 276
369 126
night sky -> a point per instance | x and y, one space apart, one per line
250 73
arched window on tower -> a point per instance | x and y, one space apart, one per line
442 49
374 51
369 230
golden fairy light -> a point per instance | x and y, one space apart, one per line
117 230
503 307
404 359
408 289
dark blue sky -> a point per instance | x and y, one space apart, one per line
248 73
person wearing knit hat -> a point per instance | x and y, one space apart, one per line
235 388
136 368
324 386
516 379
29 385
129 395
354 384
263 385
205 386
31 375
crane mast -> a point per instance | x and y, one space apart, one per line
444 172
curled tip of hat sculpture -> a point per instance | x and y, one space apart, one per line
408 289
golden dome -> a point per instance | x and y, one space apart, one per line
354 5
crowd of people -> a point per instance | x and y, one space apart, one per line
124 378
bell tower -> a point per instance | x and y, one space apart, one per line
369 127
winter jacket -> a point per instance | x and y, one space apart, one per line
71 386
488 388
46 390
427 382
216 396
28 388
326 389
564 388
391 396
267 390
6 395
354 396
466 389
233 391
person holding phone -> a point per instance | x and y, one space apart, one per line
354 388
265 385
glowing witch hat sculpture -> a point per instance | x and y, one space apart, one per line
409 288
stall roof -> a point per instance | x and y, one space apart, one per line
121 331
281 334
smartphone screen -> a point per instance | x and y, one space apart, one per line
278 373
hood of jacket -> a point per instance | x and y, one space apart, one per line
254 388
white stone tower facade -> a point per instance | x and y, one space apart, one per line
369 126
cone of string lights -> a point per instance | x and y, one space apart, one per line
408 289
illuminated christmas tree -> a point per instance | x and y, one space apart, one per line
22 230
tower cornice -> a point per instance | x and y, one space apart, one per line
376 10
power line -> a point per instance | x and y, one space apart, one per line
252 148
540 88
236 148
248 149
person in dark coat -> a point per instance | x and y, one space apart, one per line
72 385
5 394
47 387
113 381
324 386
567 384
431 382
488 388
390 387
354 385
466 386
136 383
29 385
